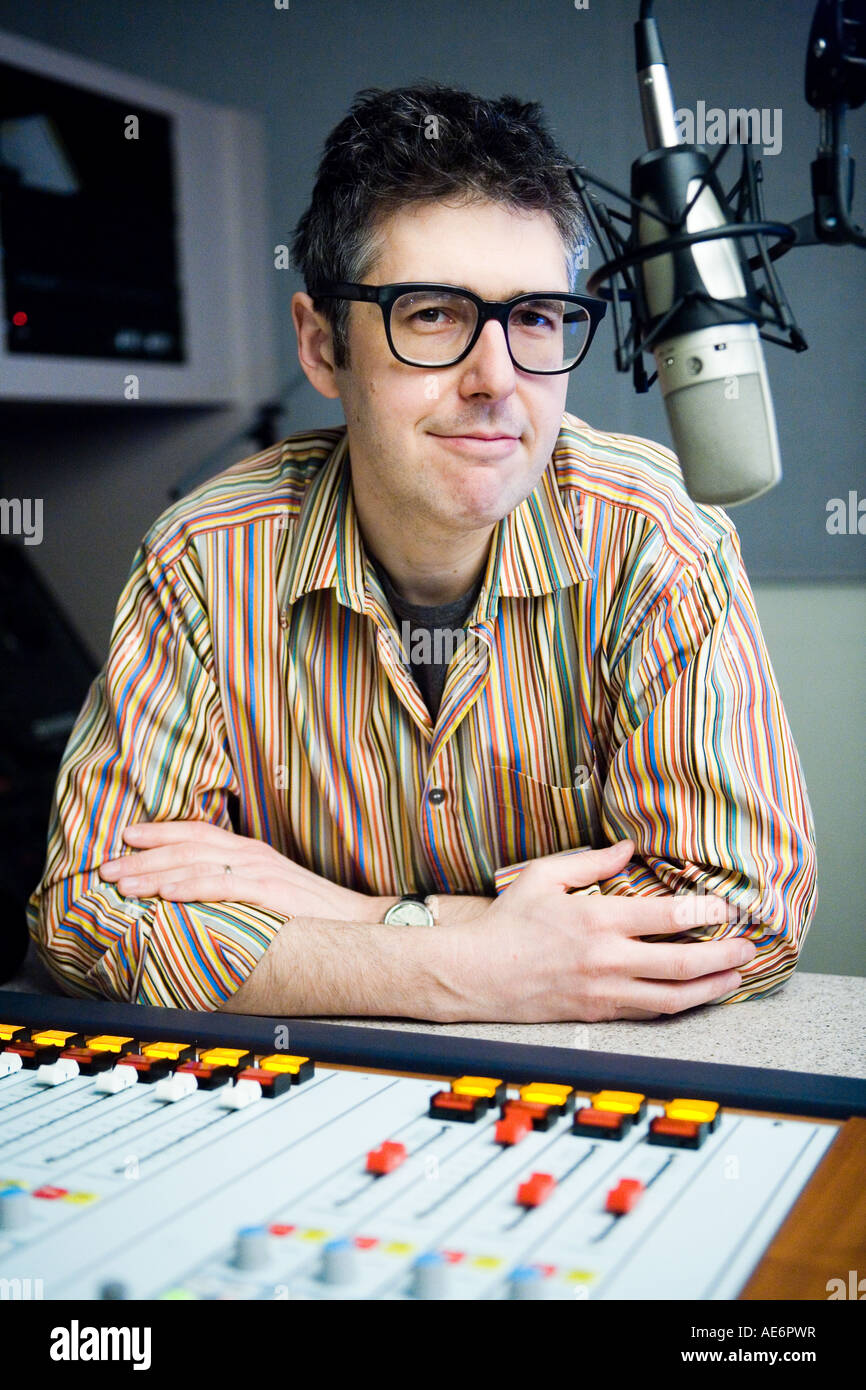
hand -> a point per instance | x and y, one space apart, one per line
540 954
185 861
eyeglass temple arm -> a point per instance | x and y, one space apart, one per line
344 289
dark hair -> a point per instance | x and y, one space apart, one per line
414 144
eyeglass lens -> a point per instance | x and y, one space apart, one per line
432 327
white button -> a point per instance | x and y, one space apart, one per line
9 1063
175 1087
118 1079
55 1073
242 1094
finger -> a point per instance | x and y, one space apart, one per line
673 997
207 886
184 855
172 831
154 881
215 888
573 868
670 913
691 960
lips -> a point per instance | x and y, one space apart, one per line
481 446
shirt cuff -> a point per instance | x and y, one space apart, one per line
149 951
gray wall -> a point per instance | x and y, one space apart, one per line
105 475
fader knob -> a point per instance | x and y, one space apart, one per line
339 1261
251 1247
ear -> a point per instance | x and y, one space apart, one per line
315 345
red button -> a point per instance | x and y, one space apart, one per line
624 1196
366 1242
453 1100
386 1158
452 1256
687 1129
512 1129
536 1189
599 1119
533 1108
278 1230
50 1192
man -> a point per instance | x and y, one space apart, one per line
286 766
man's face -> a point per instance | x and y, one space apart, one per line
405 423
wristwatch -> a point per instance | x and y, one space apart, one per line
411 911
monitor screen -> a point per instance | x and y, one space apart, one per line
88 224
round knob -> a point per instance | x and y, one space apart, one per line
252 1247
14 1209
114 1289
527 1282
431 1276
339 1261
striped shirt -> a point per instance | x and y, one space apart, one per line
612 681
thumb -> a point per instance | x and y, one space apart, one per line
577 868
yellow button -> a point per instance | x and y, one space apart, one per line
81 1197
178 1294
216 1056
704 1111
51 1037
106 1042
475 1086
13 1182
624 1102
486 1262
543 1093
580 1276
314 1234
166 1050
8 1031
398 1247
280 1061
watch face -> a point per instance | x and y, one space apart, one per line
410 914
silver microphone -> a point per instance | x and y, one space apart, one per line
710 361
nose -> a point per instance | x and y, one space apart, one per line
489 370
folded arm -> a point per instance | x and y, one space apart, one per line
704 775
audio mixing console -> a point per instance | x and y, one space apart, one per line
155 1154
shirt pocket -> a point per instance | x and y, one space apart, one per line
536 818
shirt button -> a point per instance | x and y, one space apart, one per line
437 796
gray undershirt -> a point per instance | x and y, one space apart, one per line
429 676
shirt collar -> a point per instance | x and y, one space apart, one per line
535 548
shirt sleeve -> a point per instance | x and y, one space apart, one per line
703 773
149 744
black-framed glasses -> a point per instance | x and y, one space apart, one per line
426 325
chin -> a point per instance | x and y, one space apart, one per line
486 506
